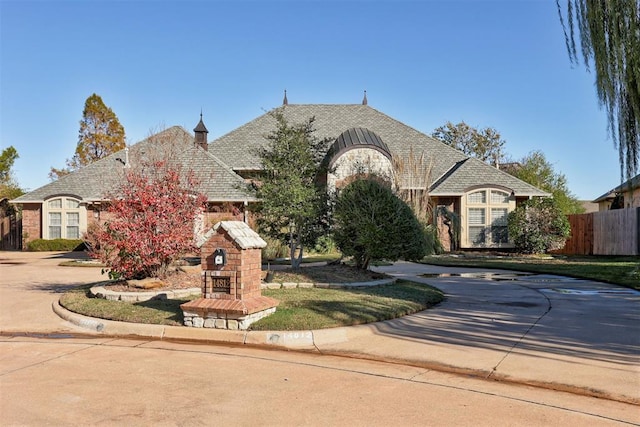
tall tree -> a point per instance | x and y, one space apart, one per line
293 208
485 144
535 169
100 134
7 158
9 188
609 35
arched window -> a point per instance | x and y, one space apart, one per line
64 218
487 211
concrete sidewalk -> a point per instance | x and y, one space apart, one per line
548 331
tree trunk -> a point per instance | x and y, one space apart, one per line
292 249
296 261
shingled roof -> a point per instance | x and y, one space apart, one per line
452 171
472 172
98 180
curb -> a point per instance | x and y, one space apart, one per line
304 341
294 340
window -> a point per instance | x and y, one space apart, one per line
477 197
476 225
487 212
55 225
73 225
72 204
64 219
55 204
499 232
498 197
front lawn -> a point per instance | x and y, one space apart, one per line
160 312
299 309
313 308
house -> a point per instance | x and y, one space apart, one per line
477 195
66 207
625 195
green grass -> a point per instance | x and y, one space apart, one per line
619 270
160 312
299 308
313 308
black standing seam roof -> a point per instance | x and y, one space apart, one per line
357 138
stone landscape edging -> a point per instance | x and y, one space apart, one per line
102 292
320 285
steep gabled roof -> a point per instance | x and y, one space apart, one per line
451 172
95 181
471 172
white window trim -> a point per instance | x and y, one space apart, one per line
82 216
487 206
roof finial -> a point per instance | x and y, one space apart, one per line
364 100
285 101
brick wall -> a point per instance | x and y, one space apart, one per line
31 222
247 265
444 230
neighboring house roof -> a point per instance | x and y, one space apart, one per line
96 181
628 185
451 172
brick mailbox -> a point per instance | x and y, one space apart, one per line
231 261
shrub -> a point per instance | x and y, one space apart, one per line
325 245
372 223
151 223
42 245
538 226
434 246
274 249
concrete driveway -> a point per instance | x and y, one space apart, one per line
539 329
548 331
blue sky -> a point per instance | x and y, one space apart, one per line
501 64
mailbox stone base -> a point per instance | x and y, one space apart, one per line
227 314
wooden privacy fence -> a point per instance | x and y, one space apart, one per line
614 232
10 233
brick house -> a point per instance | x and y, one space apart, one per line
66 207
363 139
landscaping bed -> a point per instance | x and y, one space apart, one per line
299 309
